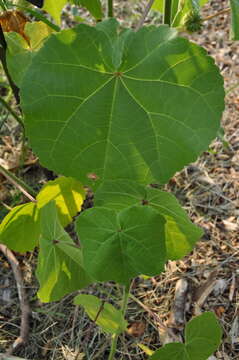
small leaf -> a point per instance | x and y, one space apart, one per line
68 195
180 233
173 351
104 314
234 19
59 268
120 246
204 333
93 6
20 229
54 8
202 338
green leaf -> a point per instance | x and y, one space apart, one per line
68 195
19 53
105 315
93 6
20 229
59 268
137 105
202 337
54 8
204 333
173 351
234 19
120 246
180 233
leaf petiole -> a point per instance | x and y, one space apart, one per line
123 310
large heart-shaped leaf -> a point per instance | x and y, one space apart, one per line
202 338
120 246
59 268
180 233
104 314
100 105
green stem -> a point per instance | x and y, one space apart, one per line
123 310
16 117
3 6
21 185
110 8
167 12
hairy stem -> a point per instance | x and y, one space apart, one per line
3 48
167 12
144 15
123 309
110 8
21 185
16 117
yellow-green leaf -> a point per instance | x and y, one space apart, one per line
59 269
68 195
20 229
105 315
54 8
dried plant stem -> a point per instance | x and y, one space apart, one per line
24 304
221 12
144 15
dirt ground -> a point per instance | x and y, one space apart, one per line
209 192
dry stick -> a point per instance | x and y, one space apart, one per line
224 11
24 188
144 15
24 304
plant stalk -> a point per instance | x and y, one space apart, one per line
21 185
16 117
110 8
123 310
167 12
144 15
3 48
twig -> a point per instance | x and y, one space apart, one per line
144 15
224 11
24 188
24 304
6 357
177 316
